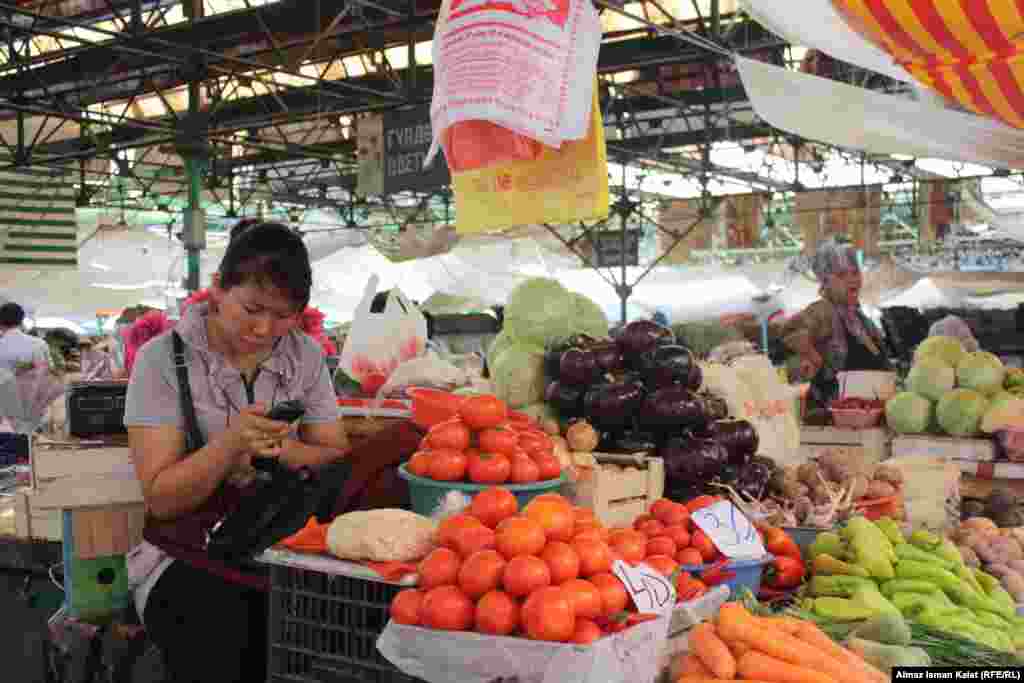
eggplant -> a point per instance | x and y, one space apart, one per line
566 398
667 365
640 337
739 438
631 441
608 357
690 461
672 407
754 480
578 366
610 407
729 474
552 364
695 378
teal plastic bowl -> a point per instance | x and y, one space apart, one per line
426 494
748 573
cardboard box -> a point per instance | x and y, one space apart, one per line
84 477
32 521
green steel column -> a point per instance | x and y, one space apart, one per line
192 169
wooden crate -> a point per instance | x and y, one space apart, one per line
617 497
870 444
946 447
84 477
979 480
32 521
105 531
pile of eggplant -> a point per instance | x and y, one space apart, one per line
641 391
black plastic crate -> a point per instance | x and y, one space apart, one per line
324 628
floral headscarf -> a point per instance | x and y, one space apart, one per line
149 326
831 258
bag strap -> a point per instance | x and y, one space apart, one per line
193 437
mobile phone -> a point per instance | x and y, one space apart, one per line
287 411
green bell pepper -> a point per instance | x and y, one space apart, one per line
905 551
827 543
827 564
891 529
839 585
841 609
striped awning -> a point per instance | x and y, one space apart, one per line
969 51
38 225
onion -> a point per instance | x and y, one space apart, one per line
582 437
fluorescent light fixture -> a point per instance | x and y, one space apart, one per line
99 266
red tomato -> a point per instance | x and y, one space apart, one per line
499 440
489 468
536 443
548 466
548 615
524 470
447 465
450 434
704 545
419 464
483 412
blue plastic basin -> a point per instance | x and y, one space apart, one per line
748 573
426 494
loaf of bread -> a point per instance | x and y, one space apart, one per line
385 535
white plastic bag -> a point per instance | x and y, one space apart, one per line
526 65
377 343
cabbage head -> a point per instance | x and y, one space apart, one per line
959 412
517 373
931 377
981 371
949 349
908 413
540 311
588 319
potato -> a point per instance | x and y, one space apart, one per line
1017 566
998 570
835 458
1014 585
802 508
983 525
860 485
808 474
880 489
820 494
893 475
793 489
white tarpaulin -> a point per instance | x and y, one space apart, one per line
847 116
816 24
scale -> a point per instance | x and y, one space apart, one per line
766 304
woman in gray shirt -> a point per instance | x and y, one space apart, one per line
243 354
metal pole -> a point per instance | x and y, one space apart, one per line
194 9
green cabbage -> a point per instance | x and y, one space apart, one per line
588 319
540 311
949 349
517 373
960 411
931 377
981 371
908 413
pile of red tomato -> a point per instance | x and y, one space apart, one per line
486 444
545 573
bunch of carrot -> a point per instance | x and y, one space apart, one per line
741 646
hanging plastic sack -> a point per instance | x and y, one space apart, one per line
561 186
377 343
509 75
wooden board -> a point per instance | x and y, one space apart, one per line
101 532
973 487
947 447
88 477
618 497
870 444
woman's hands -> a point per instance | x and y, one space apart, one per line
251 434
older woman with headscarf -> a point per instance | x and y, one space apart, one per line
833 334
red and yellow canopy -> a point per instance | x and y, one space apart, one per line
969 51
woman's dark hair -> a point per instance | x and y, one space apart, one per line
379 302
11 315
268 254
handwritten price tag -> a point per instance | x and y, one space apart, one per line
730 530
651 592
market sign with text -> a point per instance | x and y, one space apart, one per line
406 143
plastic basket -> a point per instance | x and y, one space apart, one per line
431 406
426 494
324 627
748 573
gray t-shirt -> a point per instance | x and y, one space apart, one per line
296 369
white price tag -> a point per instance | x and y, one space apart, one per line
730 530
651 592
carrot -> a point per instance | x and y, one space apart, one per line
693 668
718 680
712 651
736 624
812 635
737 648
784 624
756 664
